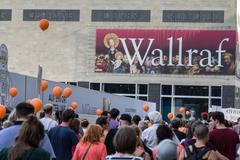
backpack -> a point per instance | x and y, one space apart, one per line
196 153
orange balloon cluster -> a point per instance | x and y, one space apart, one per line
44 85
98 112
67 92
43 24
146 107
2 111
13 91
170 116
182 109
74 105
37 104
57 91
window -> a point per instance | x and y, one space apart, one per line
216 102
193 16
216 91
5 14
95 86
121 15
191 90
166 90
119 88
142 88
144 98
51 15
72 83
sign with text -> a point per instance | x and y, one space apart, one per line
136 51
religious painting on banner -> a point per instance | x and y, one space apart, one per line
192 52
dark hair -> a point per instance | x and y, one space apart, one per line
136 119
204 116
75 125
125 140
201 131
24 109
84 123
126 117
218 116
180 116
102 121
114 113
163 132
41 114
48 108
68 115
58 115
31 133
194 125
176 123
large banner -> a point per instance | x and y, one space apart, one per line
136 51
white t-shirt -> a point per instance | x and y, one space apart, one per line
48 123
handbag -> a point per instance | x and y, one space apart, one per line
85 154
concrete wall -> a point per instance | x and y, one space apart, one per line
67 49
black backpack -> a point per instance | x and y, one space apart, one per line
197 153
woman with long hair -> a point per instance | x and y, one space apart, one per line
90 147
27 142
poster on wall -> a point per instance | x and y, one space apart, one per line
192 52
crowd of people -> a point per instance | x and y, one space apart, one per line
114 136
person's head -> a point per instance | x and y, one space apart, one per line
105 113
75 125
195 124
102 121
125 140
68 115
111 43
136 119
93 134
217 118
164 132
142 125
227 57
180 116
125 120
175 123
114 113
155 116
84 123
201 132
204 116
24 109
238 120
30 135
48 109
167 150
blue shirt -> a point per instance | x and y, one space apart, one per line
8 137
63 139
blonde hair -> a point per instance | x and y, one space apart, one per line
93 134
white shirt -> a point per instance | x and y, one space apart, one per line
48 123
149 136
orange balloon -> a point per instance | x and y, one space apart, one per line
2 111
187 112
98 112
44 85
145 107
182 109
74 105
67 92
170 116
13 91
57 91
43 24
37 104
